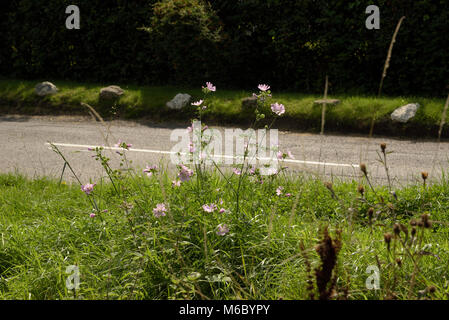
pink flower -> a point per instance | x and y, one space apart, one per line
223 229
160 210
210 208
288 194
91 149
149 170
280 155
189 129
123 145
252 170
279 190
185 173
191 147
290 155
209 87
88 188
92 215
176 183
263 87
222 210
237 171
118 144
277 108
198 103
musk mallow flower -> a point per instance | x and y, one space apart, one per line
278 108
185 173
210 208
149 170
252 170
263 87
279 190
123 145
280 155
160 210
223 229
237 171
88 188
209 87
191 147
197 103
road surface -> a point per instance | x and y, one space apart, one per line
24 149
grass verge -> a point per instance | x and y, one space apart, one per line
353 114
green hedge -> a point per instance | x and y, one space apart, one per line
290 44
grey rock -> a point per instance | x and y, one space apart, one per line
45 88
249 103
405 113
111 92
181 100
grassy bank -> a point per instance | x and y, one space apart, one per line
353 114
274 245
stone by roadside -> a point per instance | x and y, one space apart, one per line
111 93
405 113
45 88
180 101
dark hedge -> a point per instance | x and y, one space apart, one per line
290 44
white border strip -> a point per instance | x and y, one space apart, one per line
331 164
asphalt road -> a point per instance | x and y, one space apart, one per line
24 149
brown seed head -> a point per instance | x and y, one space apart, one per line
397 229
424 175
329 185
363 168
431 289
361 189
387 238
399 262
370 213
413 222
425 218
383 146
413 232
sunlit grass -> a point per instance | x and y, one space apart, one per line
45 227
354 113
